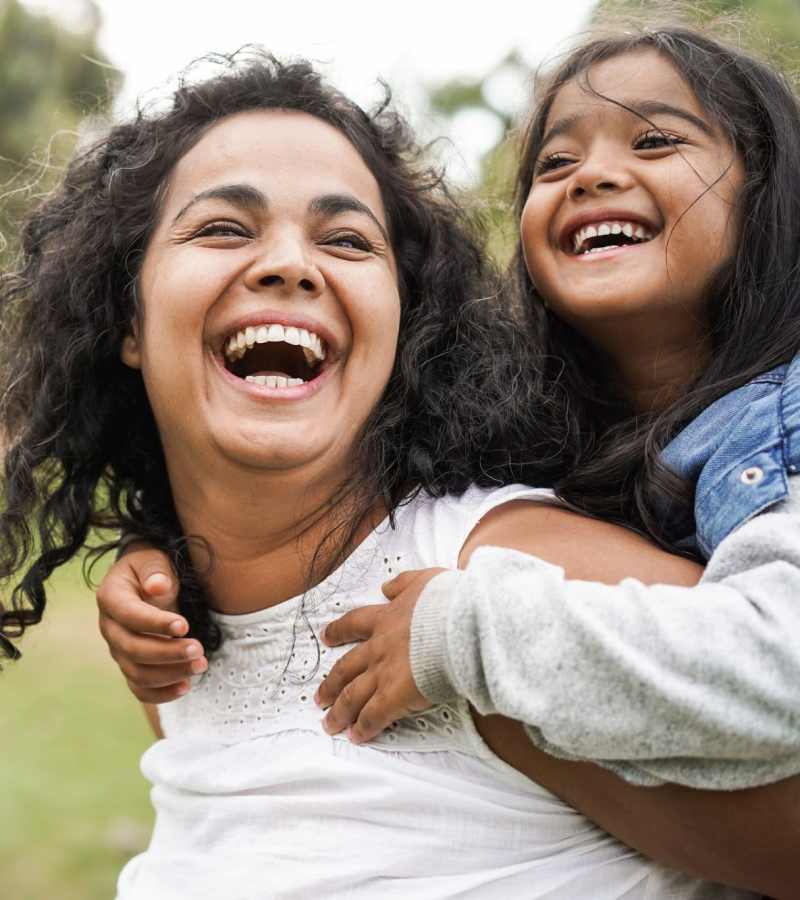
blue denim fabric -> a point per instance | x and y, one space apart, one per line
740 452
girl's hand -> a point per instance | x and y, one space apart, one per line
139 621
371 686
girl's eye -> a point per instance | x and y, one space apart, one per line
551 162
657 140
222 229
349 241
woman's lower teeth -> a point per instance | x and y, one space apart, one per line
274 381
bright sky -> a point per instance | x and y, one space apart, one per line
410 44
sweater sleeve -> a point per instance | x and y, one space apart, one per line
696 686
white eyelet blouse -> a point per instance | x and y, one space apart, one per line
254 801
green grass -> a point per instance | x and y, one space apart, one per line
73 805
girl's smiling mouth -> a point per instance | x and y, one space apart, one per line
603 231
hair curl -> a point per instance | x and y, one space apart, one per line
83 450
611 453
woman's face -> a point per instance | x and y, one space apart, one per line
269 297
621 221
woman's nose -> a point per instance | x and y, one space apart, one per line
285 266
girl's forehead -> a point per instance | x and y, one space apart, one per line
629 79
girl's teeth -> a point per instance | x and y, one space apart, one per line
604 229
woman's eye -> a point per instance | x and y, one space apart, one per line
554 161
222 229
657 140
349 241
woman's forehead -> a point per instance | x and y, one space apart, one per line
281 152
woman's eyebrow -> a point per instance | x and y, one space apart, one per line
333 204
242 195
644 109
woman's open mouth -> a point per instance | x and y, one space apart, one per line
275 356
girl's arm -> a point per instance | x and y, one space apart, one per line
748 838
661 683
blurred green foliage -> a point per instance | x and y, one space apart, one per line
52 78
769 28
73 805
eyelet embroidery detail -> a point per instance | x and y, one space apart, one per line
263 678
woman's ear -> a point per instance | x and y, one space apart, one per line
131 352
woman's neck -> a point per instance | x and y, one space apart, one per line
264 531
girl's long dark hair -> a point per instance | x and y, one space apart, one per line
611 466
82 448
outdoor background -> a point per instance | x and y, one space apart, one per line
73 806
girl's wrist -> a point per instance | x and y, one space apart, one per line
430 666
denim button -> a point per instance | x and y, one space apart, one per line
751 475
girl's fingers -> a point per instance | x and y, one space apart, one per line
356 625
149 677
147 650
118 600
159 695
350 666
152 569
399 583
376 715
349 704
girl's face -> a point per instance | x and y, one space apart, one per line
626 218
269 297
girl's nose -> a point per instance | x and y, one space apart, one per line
596 177
286 267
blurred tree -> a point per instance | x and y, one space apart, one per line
770 28
53 76
502 94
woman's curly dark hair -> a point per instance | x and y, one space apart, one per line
610 453
83 450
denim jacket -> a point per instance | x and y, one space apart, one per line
740 452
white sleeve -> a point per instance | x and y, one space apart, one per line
697 686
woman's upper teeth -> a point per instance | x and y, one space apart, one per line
631 230
238 344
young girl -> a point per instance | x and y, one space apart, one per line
660 217
240 332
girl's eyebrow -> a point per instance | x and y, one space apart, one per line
644 109
249 197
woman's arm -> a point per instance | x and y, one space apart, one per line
748 839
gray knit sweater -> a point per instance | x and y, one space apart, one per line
697 686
